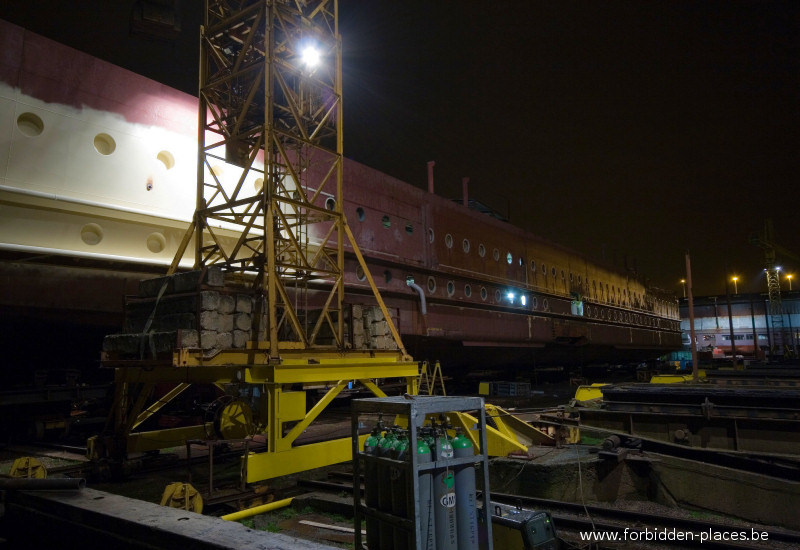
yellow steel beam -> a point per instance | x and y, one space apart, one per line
290 354
285 442
346 369
161 439
155 407
373 387
515 427
497 443
298 459
144 394
363 264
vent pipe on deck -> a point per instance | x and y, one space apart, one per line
465 190
422 305
431 164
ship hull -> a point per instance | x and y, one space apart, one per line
98 170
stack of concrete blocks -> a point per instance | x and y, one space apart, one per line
194 310
370 328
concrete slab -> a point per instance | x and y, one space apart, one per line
91 518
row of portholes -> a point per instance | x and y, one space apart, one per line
92 234
466 247
386 221
596 312
484 293
31 125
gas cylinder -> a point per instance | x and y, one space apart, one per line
385 530
371 484
425 504
466 511
397 477
398 481
444 496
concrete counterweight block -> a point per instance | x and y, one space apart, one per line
242 321
225 322
224 340
227 304
240 339
209 320
244 304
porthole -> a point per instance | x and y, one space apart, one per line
562 275
533 266
544 269
553 271
603 314
30 124
483 293
156 242
258 184
360 214
409 228
497 296
545 305
448 240
387 223
166 158
387 276
509 258
521 261
431 285
91 234
570 277
496 255
430 235
481 250
451 288
360 273
104 144
465 246
330 203
579 278
467 291
535 302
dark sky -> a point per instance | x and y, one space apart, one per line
623 129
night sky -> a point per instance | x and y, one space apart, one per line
628 130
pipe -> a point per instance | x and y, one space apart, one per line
264 508
431 164
46 484
465 190
422 305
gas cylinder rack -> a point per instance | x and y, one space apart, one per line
408 529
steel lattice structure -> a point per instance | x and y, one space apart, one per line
277 122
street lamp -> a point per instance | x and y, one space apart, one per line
789 278
735 285
683 282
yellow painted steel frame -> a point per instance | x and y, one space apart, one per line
297 367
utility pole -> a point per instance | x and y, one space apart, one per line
691 315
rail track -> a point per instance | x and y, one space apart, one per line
572 519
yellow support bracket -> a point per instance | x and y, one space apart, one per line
285 443
301 458
155 407
497 443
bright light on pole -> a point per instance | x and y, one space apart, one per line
310 56
789 278
735 285
683 282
